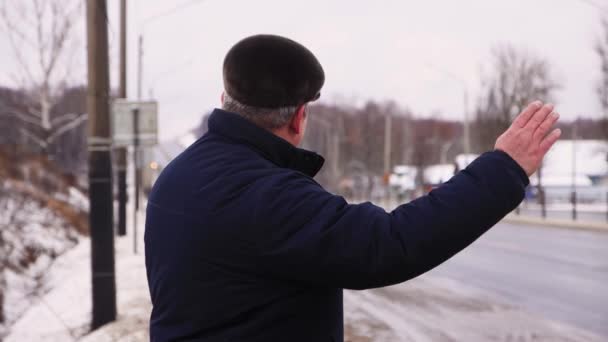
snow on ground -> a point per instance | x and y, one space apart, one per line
57 315
64 312
75 198
31 236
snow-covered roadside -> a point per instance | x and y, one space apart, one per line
64 313
32 234
57 314
134 305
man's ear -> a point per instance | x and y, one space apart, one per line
222 99
296 125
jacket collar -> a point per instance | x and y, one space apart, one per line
272 147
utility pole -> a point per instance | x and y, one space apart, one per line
136 150
541 193
466 138
388 128
137 178
573 194
388 124
121 152
100 167
140 57
336 137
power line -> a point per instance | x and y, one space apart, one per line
170 11
141 35
172 70
594 4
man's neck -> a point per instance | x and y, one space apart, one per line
283 133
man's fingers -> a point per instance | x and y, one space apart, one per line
522 119
549 140
539 117
544 127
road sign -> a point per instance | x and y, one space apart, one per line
123 112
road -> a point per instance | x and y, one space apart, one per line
514 283
559 273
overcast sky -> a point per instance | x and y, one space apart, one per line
369 49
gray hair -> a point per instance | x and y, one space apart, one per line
269 118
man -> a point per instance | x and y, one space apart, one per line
243 245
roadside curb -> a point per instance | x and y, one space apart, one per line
556 223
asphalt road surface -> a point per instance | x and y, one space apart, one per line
559 273
516 282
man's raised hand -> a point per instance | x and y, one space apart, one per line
528 139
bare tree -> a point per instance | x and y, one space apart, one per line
601 48
517 78
42 39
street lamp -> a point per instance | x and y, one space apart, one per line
466 141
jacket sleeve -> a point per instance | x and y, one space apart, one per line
325 241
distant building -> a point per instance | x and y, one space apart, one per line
586 160
580 165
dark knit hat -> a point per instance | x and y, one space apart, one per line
271 71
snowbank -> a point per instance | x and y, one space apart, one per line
32 235
63 312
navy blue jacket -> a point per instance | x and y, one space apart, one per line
243 245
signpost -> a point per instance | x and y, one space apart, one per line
135 123
123 128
